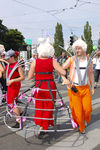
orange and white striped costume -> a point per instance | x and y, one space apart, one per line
80 102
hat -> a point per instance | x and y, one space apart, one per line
9 53
80 43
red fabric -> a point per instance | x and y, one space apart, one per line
12 92
44 65
13 89
16 53
11 66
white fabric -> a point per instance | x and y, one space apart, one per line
82 71
94 61
97 63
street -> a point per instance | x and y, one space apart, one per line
15 140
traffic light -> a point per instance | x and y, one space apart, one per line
71 40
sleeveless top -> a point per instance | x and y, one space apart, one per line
82 67
15 73
44 69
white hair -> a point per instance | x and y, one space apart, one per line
80 43
2 47
45 48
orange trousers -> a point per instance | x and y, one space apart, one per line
80 104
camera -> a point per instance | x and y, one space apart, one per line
74 89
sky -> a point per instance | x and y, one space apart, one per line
38 18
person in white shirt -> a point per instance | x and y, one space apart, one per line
33 57
97 70
94 63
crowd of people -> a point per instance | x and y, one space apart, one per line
76 72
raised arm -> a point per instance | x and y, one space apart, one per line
4 61
66 65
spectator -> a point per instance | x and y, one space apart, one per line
97 70
61 59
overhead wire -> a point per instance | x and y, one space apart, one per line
33 7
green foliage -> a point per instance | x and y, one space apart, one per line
99 44
14 39
11 39
3 32
87 37
58 40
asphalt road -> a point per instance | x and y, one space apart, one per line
10 140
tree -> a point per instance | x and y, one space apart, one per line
3 32
14 39
58 39
99 44
88 37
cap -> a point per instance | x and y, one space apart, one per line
9 53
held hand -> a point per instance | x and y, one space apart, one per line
66 81
92 91
9 82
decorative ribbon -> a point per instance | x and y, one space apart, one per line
74 124
4 95
35 90
29 100
60 102
19 119
23 94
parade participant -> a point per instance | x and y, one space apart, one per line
14 76
80 76
42 69
3 79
